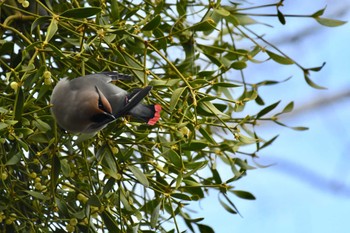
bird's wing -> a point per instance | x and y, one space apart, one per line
117 76
135 98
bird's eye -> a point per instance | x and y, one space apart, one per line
100 104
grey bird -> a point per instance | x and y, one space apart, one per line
88 103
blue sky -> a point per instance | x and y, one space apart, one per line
308 190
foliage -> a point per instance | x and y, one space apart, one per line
131 177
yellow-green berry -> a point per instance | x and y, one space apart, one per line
14 86
73 221
25 4
70 228
4 175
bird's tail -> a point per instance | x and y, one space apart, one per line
134 107
146 113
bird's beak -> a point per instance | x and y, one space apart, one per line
109 117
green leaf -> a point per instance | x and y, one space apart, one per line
244 194
311 83
267 110
174 158
3 125
318 13
245 20
210 108
115 15
279 59
330 22
222 11
37 195
205 25
94 201
154 23
289 107
139 175
297 128
230 202
238 65
83 12
268 142
65 168
205 228
176 97
109 221
164 83
14 159
246 140
281 17
19 103
207 136
39 21
108 186
55 171
181 196
193 167
318 68
51 30
155 215
216 176
195 145
227 208
226 85
41 125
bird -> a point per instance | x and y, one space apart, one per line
89 103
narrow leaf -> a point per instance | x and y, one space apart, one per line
164 83
51 30
205 228
19 103
108 186
37 195
154 23
210 108
110 221
268 142
329 22
155 215
298 128
281 17
176 97
239 65
139 175
3 125
267 110
227 208
244 194
318 13
79 13
181 196
94 201
14 159
222 11
205 25
318 68
207 136
55 171
288 108
279 59
174 158
39 21
311 83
